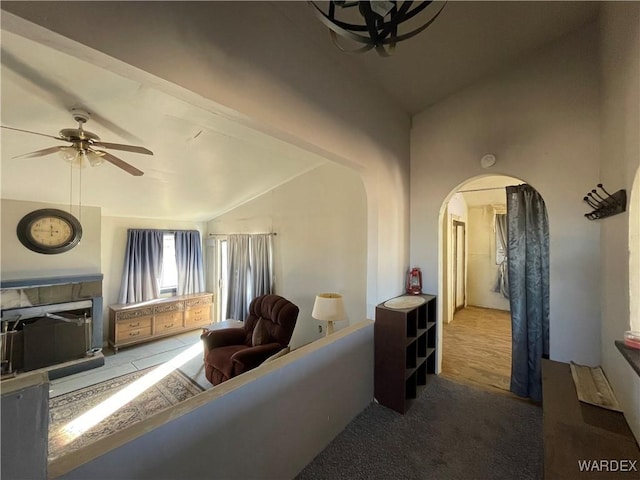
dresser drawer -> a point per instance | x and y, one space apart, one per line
168 308
196 302
133 334
197 316
134 324
125 315
167 322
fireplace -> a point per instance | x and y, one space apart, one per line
53 325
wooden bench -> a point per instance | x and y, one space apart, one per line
577 433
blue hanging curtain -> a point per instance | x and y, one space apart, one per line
238 295
528 254
189 262
142 266
260 264
250 270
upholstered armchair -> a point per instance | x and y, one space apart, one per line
228 352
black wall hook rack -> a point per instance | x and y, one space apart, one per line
605 204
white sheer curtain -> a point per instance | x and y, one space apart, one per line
142 266
502 281
189 262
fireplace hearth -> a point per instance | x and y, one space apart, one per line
52 325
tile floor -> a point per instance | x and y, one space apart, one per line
134 358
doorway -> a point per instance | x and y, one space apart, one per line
217 274
459 265
476 329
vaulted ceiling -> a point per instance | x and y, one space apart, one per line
204 161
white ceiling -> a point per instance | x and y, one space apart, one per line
206 163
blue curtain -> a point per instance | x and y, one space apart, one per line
238 271
142 266
528 253
250 270
260 264
189 262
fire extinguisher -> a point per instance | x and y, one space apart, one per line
414 281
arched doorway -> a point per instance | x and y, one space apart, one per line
476 333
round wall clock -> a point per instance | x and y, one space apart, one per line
49 231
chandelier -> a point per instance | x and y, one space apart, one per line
381 18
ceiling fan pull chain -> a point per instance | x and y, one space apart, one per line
70 187
80 196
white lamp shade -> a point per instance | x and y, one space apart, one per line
328 307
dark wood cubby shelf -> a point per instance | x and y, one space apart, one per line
405 353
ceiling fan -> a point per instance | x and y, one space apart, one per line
85 145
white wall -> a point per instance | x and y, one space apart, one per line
321 244
114 243
249 57
18 262
482 269
620 55
541 119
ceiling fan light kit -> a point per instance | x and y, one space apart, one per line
86 147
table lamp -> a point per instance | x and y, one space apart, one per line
329 308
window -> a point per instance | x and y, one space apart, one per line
169 279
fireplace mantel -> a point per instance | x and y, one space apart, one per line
46 281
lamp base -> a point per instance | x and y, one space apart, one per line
329 328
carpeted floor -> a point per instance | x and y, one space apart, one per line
172 389
453 431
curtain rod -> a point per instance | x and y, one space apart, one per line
227 234
481 189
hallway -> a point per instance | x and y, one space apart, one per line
477 347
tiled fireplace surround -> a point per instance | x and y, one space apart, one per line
57 295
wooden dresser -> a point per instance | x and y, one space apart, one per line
134 323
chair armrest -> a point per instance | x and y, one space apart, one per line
253 356
223 336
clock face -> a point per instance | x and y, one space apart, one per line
49 231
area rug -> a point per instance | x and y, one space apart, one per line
172 389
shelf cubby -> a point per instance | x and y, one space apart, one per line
405 356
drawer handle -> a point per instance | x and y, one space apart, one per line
134 324
168 326
133 334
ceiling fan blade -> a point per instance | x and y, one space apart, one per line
41 153
126 148
34 133
122 164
